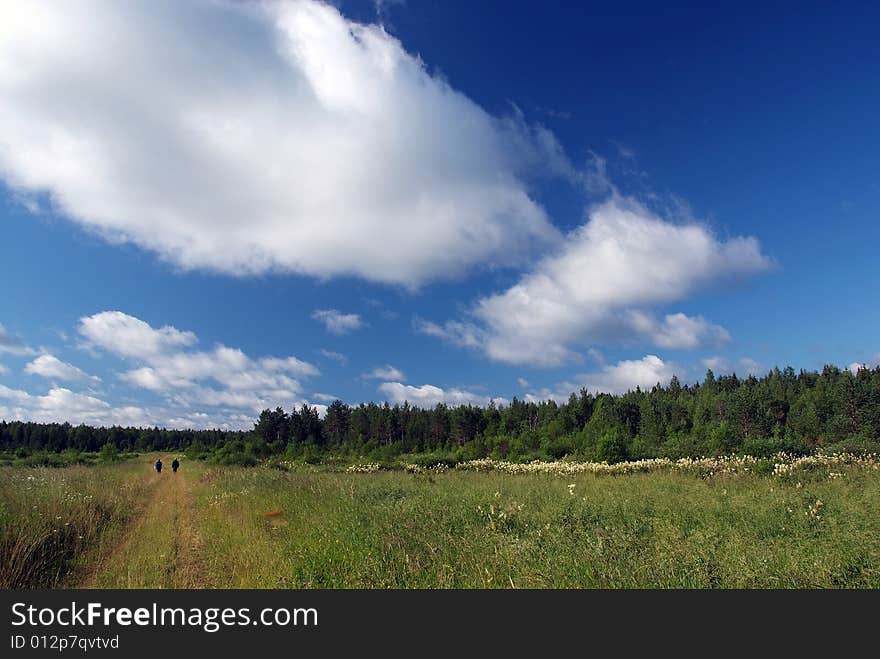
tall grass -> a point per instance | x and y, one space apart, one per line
53 520
737 524
274 529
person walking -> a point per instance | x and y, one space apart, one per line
175 465
158 466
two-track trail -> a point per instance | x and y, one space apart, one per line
162 545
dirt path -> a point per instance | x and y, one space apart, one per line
162 546
188 540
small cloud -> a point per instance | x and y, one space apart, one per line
336 322
741 366
871 362
464 334
387 372
13 345
337 357
522 382
552 112
429 395
49 366
127 336
383 311
290 365
617 378
623 151
679 331
383 5
325 398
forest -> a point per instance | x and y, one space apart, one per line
782 411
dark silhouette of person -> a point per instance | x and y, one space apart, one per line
175 465
159 466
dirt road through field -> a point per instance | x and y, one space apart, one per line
162 545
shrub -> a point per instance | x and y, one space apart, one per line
857 444
611 448
109 452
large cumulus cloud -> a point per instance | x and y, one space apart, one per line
254 137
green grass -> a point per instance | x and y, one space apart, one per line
457 529
54 522
465 530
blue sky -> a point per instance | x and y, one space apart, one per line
208 209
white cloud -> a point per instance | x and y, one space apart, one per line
677 331
49 366
61 404
741 366
464 334
616 378
222 376
289 365
387 372
3 370
243 382
522 382
429 396
337 322
257 137
871 362
13 345
218 388
326 398
337 357
128 336
600 288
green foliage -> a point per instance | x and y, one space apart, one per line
723 440
611 448
109 452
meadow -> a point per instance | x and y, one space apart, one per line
53 521
785 522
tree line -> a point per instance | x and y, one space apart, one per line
783 410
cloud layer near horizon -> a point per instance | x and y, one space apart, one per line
217 388
222 376
617 378
255 137
428 395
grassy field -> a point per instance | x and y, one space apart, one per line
298 526
54 522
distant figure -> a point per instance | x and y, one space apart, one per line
175 465
159 466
